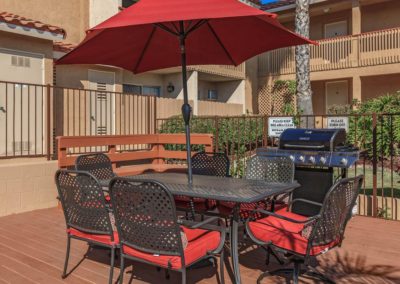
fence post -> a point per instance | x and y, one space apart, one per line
155 114
216 126
374 167
48 122
265 131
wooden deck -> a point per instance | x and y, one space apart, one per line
32 249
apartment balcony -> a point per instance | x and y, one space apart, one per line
237 72
353 51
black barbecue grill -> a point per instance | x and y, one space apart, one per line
315 152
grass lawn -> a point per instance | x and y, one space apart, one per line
387 184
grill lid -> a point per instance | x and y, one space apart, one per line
312 139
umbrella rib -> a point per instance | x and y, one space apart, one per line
165 28
144 50
221 44
196 26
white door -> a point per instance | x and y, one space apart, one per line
102 102
21 105
336 29
337 93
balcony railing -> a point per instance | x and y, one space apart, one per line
368 49
222 70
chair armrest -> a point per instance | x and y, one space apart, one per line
265 212
305 201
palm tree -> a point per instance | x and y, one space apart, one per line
304 94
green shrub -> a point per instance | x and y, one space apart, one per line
236 136
388 126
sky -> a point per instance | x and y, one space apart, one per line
268 1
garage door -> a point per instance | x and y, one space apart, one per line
21 104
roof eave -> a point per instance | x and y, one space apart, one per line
32 32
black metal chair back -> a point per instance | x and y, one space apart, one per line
83 202
145 216
210 164
99 165
270 169
336 211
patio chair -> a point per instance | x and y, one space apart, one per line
269 169
86 213
150 232
204 163
298 238
98 164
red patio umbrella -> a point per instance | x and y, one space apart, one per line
156 34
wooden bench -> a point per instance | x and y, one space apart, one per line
131 162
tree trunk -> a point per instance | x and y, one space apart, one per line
304 95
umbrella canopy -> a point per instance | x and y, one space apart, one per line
219 32
156 34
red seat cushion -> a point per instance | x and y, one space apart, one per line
200 242
285 234
105 239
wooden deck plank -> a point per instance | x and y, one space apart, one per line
32 250
34 274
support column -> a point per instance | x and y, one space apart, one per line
355 29
356 88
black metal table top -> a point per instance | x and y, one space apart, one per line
219 188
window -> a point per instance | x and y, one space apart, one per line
151 90
127 3
132 89
142 90
20 61
212 95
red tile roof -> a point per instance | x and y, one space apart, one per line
277 4
10 18
63 46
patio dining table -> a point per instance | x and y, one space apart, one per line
222 189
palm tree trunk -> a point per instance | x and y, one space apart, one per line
304 94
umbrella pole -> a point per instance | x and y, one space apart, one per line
186 108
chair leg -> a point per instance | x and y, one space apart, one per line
315 273
110 281
64 275
122 267
184 276
296 272
262 276
221 266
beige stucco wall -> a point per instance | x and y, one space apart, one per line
76 76
30 44
251 85
375 86
318 93
27 185
380 16
100 10
72 15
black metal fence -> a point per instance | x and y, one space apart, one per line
31 116
377 135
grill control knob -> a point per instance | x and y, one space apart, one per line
312 160
343 161
322 160
301 158
291 157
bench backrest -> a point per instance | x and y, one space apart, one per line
68 145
